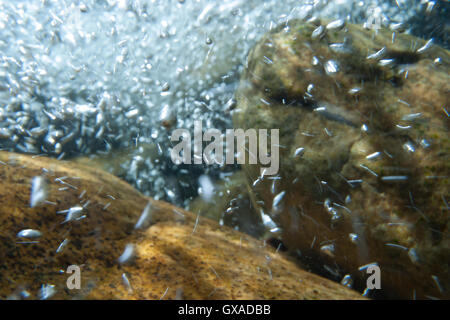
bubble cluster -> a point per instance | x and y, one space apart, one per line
89 77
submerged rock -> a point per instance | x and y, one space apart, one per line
232 206
370 184
128 246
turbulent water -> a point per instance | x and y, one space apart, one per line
89 77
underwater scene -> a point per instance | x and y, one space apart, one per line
224 150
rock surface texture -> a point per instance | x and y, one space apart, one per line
128 246
370 110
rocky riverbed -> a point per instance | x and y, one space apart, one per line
123 253
361 104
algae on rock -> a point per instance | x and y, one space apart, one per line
371 112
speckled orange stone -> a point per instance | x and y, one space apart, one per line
179 255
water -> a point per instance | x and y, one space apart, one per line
83 77
112 79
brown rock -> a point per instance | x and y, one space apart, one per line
372 116
180 255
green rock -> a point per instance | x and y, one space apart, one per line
371 115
